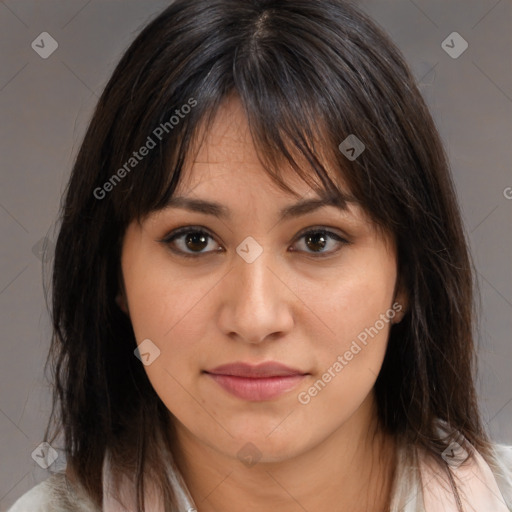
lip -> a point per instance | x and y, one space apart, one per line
256 382
268 369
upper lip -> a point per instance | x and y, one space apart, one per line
268 369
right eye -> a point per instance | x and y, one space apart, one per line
189 241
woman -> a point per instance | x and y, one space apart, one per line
262 294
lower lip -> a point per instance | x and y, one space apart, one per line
259 389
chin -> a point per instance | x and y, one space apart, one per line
273 448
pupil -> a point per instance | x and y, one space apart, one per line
196 238
315 238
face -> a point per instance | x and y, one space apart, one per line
314 291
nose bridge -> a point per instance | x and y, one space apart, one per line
255 279
256 304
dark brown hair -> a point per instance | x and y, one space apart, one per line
308 73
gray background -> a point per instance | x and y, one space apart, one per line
46 104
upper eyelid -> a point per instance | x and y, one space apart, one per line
191 228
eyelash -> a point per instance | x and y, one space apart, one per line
171 237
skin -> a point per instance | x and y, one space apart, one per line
287 306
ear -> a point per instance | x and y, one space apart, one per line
121 300
400 300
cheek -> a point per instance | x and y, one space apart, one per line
173 312
169 312
161 299
353 298
171 315
355 310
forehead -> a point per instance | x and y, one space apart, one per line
228 137
225 150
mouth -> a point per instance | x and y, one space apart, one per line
256 383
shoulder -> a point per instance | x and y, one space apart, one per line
36 499
55 494
484 484
501 468
504 455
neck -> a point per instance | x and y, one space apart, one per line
352 468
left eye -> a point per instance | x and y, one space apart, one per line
191 242
318 239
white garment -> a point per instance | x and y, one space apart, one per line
418 488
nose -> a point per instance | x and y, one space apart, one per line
257 305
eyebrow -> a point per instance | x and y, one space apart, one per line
295 210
